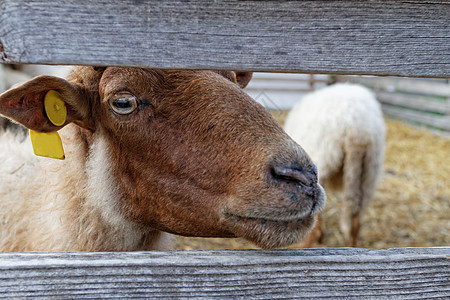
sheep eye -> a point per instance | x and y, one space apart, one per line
123 103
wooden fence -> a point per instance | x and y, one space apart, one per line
411 273
378 37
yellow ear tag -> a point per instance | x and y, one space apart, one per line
55 108
49 144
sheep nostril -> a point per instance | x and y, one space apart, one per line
295 175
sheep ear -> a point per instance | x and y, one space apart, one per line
44 104
243 78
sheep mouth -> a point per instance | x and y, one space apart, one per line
270 233
272 227
289 223
290 216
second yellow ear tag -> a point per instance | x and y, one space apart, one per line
49 144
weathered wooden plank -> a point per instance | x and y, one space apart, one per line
419 273
387 37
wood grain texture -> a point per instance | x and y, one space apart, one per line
408 273
383 37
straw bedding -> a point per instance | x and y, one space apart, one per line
411 207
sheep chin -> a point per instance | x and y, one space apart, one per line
270 234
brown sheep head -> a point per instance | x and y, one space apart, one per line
190 152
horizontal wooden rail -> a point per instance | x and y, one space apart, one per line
383 37
408 273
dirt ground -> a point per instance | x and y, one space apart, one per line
411 207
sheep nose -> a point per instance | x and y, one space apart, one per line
296 175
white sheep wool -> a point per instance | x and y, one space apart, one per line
342 128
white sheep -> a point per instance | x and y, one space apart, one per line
342 128
149 152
